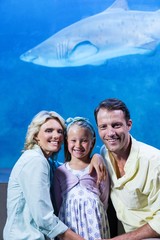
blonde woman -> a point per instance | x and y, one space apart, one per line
30 214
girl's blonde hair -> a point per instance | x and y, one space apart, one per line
36 123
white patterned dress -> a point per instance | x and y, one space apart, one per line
83 212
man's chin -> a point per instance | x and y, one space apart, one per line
111 148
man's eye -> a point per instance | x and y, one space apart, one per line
117 125
102 127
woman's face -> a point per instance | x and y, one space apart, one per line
50 137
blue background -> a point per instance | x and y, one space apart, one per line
27 88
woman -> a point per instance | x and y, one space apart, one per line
30 214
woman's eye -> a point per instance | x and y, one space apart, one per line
48 130
60 131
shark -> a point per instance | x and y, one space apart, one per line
115 32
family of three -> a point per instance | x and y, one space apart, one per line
70 201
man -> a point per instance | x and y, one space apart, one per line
134 169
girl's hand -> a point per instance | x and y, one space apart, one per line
97 163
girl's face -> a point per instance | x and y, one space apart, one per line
50 137
80 142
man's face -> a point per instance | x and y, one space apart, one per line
114 130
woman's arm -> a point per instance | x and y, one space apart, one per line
97 163
35 182
70 235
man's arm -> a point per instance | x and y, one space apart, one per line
143 232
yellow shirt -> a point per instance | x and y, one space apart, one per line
136 195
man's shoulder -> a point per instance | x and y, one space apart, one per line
145 151
103 150
144 146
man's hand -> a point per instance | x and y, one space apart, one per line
143 233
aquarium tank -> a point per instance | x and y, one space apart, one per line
68 55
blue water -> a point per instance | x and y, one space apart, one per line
27 88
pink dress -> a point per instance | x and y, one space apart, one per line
83 211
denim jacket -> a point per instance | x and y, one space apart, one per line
30 214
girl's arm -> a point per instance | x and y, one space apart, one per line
104 187
97 163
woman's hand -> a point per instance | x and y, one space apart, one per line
97 163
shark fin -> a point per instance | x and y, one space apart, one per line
82 50
150 46
119 4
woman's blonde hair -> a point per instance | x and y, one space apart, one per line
36 123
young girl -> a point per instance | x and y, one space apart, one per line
80 202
